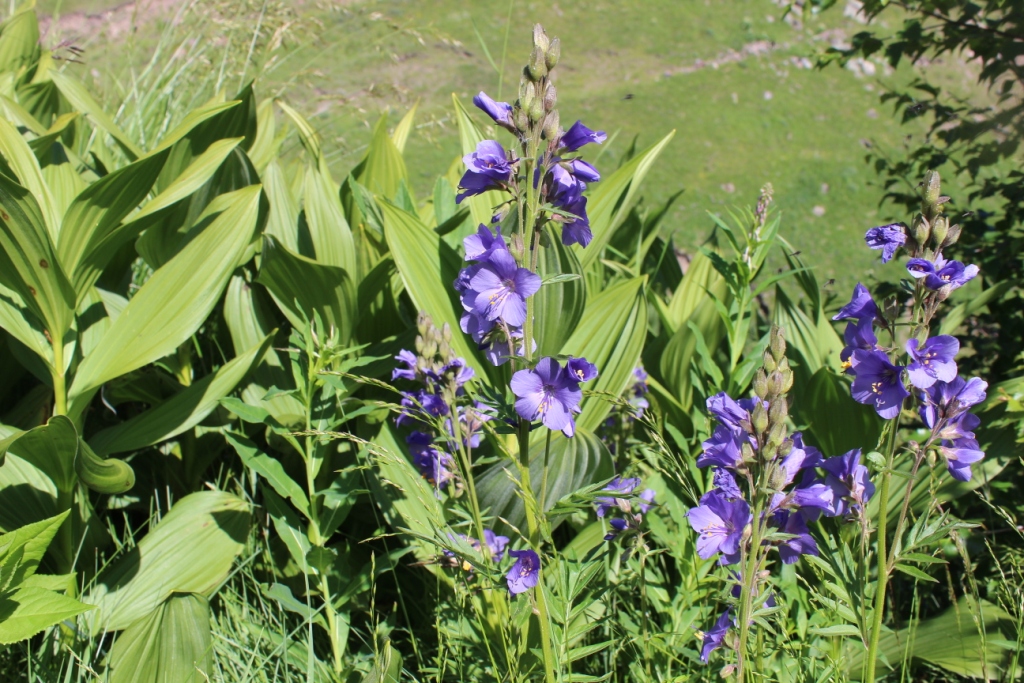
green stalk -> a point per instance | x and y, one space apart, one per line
746 591
65 499
883 564
545 631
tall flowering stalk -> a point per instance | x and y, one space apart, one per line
919 370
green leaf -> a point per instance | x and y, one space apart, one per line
270 469
384 169
325 216
910 570
19 41
838 630
610 335
956 315
27 611
481 206
24 326
835 421
559 305
31 541
192 121
78 95
23 162
282 223
51 447
387 668
28 263
428 267
177 299
267 143
182 411
307 134
190 550
611 201
173 644
302 286
401 133
108 475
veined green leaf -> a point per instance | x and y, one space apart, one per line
328 228
177 299
264 147
103 475
610 335
302 286
27 611
78 95
31 540
172 644
384 169
428 267
401 133
613 197
41 145
28 264
191 121
283 221
182 411
51 447
190 550
20 116
19 40
24 326
25 165
271 471
560 303
307 134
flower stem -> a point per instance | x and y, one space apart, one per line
749 579
880 552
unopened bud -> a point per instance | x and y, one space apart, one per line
768 362
932 188
551 125
747 452
940 229
943 292
527 91
536 110
777 343
537 69
775 384
540 38
760 383
777 435
759 417
550 97
921 230
522 120
552 54
787 380
778 412
952 236
786 447
516 246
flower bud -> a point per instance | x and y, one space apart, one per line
787 380
932 188
537 69
540 38
522 120
786 447
940 229
769 362
943 292
552 54
551 126
779 410
891 308
536 109
777 435
921 229
776 383
952 236
759 417
747 452
527 91
760 383
777 343
550 97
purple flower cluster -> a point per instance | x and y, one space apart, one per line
722 516
638 392
525 573
633 511
944 407
493 291
567 179
488 167
941 274
551 393
495 545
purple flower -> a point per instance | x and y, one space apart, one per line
800 457
944 401
436 466
577 231
549 393
846 486
960 454
525 573
583 171
638 391
719 523
714 638
725 482
877 382
723 448
942 273
487 168
733 414
564 189
857 335
481 244
496 544
581 369
802 542
579 135
933 361
888 238
618 485
861 307
420 405
618 526
409 372
501 112
647 496
498 290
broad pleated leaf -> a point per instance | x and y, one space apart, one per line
264 148
835 422
283 220
190 550
25 165
78 95
401 133
31 542
302 286
177 299
103 475
325 216
558 306
24 326
428 268
573 464
19 40
613 197
384 169
182 411
681 350
610 335
173 644
51 447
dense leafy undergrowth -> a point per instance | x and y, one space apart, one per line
261 423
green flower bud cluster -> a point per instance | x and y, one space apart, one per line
771 384
536 107
433 346
932 225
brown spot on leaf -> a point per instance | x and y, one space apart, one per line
43 263
32 290
5 216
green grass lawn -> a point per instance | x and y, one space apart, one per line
749 115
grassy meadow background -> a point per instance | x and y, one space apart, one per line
736 80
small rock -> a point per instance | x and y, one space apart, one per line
818 210
768 94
